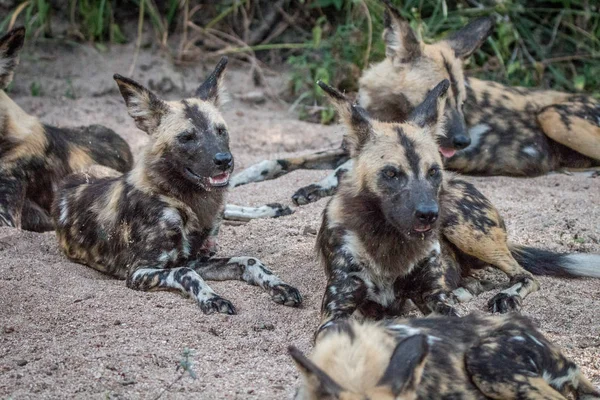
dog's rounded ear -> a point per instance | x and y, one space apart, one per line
315 376
213 88
143 105
401 42
10 46
403 373
430 112
354 116
468 39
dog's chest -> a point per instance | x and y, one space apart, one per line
381 277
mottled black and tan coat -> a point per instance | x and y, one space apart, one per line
35 157
471 358
495 129
491 129
155 225
401 228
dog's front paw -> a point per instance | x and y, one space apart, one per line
286 295
309 194
217 304
503 303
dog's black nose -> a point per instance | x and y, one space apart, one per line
427 213
223 160
461 142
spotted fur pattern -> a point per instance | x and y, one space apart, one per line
381 249
35 157
475 357
511 130
491 129
372 239
155 226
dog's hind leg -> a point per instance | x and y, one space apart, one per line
271 169
12 198
251 271
574 124
474 226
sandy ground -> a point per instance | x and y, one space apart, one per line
67 331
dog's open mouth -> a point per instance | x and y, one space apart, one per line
447 151
422 228
219 180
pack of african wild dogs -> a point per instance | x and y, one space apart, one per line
401 231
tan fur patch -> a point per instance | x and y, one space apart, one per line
21 128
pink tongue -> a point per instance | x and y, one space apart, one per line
220 178
447 152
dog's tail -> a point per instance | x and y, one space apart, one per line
565 265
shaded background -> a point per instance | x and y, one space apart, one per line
552 44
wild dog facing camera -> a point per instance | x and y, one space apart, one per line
398 169
190 138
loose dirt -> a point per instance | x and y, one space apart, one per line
67 331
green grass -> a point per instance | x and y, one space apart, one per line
551 44
545 43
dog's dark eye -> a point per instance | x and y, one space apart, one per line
433 172
187 137
221 131
390 173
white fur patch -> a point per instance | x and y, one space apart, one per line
240 213
463 295
64 211
583 264
558 382
476 132
267 169
171 215
531 150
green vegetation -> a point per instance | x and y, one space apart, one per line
548 43
553 44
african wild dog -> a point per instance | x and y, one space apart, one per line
506 130
475 357
154 225
491 129
35 157
399 228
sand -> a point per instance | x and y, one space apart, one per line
67 331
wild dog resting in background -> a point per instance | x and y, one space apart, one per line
399 228
491 129
474 357
35 157
153 225
513 131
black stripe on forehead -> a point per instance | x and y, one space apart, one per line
453 81
196 117
409 150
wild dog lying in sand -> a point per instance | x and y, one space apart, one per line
400 228
475 357
35 157
491 129
153 226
